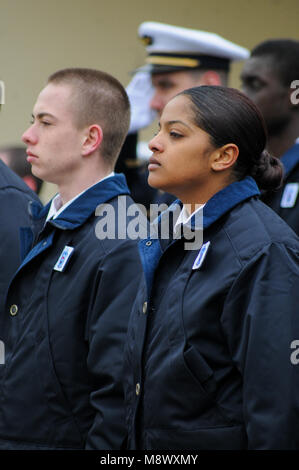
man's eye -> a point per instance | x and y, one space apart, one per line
253 84
256 84
165 85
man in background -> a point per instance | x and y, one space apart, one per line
15 158
270 77
177 58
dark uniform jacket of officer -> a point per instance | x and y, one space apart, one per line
63 331
208 357
136 173
288 194
15 201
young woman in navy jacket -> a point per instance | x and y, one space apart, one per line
213 341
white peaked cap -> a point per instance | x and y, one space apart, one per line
176 47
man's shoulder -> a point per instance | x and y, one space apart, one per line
293 176
10 181
120 221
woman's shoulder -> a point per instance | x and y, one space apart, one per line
252 225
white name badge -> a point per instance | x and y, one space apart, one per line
289 196
64 258
201 256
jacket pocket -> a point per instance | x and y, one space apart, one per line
203 379
199 370
33 405
214 438
58 407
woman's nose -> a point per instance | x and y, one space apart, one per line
155 144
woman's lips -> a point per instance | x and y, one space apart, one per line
153 164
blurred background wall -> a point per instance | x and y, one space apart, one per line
38 37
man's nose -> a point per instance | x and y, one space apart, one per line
29 136
157 102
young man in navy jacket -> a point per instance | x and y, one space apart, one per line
68 304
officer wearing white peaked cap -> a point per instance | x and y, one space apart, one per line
177 58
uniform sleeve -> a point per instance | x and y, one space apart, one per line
261 321
14 214
106 331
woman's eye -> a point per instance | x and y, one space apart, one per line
175 135
45 123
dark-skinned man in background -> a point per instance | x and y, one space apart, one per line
269 78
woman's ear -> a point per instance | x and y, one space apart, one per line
224 157
92 139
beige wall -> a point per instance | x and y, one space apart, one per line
38 37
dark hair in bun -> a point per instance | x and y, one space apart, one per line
268 171
229 116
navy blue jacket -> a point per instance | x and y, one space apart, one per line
208 354
15 202
136 172
63 331
288 194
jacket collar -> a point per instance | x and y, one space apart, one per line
290 159
84 206
221 203
229 197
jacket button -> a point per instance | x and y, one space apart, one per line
144 307
137 388
13 310
148 243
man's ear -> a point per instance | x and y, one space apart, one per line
224 157
93 138
210 77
